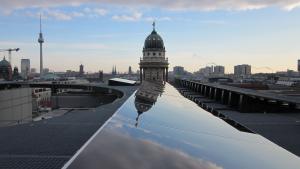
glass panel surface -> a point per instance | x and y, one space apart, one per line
159 128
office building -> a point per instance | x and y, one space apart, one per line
33 70
81 71
206 71
101 75
129 70
45 71
242 70
25 68
16 76
219 70
178 70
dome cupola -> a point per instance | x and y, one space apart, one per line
4 63
153 64
5 70
154 41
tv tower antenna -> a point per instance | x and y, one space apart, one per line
41 41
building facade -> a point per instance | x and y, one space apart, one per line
206 71
81 71
129 70
45 71
41 99
16 76
25 68
219 70
101 75
178 70
15 105
242 70
33 70
154 64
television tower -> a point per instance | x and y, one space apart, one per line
41 41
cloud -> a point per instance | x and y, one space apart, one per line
50 13
121 151
77 46
100 11
77 14
59 15
135 16
138 16
54 14
206 5
292 6
151 19
94 12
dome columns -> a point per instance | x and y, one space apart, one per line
154 74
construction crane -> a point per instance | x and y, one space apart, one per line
9 52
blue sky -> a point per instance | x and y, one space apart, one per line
102 33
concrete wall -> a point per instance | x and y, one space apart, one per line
15 105
80 101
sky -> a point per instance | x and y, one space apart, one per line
196 33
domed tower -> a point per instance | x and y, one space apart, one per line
154 64
5 70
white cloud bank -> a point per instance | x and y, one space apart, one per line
135 16
63 15
138 16
206 5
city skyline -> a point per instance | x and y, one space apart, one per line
102 34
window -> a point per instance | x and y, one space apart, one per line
154 54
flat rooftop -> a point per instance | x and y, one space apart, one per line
49 143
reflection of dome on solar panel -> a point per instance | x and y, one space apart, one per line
146 97
142 105
5 70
